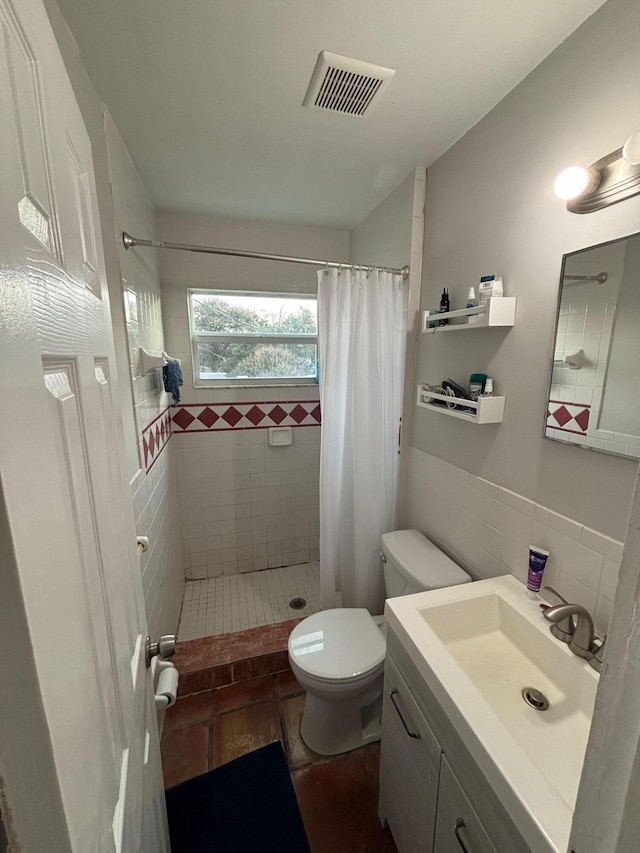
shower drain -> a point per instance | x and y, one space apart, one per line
297 603
535 698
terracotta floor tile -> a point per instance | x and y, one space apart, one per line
244 730
185 754
268 664
339 804
192 709
195 682
287 684
242 694
225 648
298 753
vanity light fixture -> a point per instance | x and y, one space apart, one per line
631 149
576 181
613 178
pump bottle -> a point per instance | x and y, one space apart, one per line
444 307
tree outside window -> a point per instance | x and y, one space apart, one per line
249 336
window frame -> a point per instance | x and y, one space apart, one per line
234 337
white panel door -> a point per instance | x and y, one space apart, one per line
64 502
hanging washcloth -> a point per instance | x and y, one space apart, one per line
172 378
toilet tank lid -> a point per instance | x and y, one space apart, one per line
420 561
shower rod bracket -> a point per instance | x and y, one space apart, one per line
129 242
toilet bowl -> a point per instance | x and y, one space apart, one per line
338 655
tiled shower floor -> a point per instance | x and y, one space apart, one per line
236 602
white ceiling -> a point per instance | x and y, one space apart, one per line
207 93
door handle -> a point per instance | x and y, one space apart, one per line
393 694
164 648
460 824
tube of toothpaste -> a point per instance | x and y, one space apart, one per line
537 562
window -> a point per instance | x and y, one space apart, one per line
247 338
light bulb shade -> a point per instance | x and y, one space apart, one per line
631 149
576 181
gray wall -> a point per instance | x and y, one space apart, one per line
491 208
384 235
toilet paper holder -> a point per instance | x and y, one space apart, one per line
166 690
164 648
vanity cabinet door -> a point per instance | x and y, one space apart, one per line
458 827
409 768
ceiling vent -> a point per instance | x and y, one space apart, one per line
344 85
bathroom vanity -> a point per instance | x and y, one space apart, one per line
466 765
431 789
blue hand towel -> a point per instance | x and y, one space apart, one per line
172 378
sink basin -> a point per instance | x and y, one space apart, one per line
502 653
478 646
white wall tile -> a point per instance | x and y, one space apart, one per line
605 545
609 580
566 526
488 529
485 536
235 487
517 502
583 565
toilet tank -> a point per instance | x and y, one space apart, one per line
412 563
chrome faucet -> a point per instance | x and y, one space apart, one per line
562 630
582 637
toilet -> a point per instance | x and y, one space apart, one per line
338 655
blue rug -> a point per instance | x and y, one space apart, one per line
245 806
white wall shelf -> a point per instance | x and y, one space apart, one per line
486 410
497 311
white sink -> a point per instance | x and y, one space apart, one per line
478 646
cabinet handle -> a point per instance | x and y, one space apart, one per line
460 824
393 694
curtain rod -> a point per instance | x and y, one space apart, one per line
130 241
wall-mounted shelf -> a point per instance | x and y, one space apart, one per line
486 410
497 311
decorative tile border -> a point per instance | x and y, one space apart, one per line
217 417
155 436
568 417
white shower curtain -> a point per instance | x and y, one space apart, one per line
361 326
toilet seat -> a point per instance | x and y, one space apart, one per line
343 645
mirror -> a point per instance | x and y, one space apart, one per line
594 395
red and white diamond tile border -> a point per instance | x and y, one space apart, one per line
155 436
217 417
568 417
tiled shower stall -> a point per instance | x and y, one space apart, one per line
246 505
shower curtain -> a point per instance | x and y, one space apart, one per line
361 342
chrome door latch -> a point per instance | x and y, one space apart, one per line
164 648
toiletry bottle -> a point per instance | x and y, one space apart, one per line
444 307
537 563
490 286
488 387
471 303
477 385
432 323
